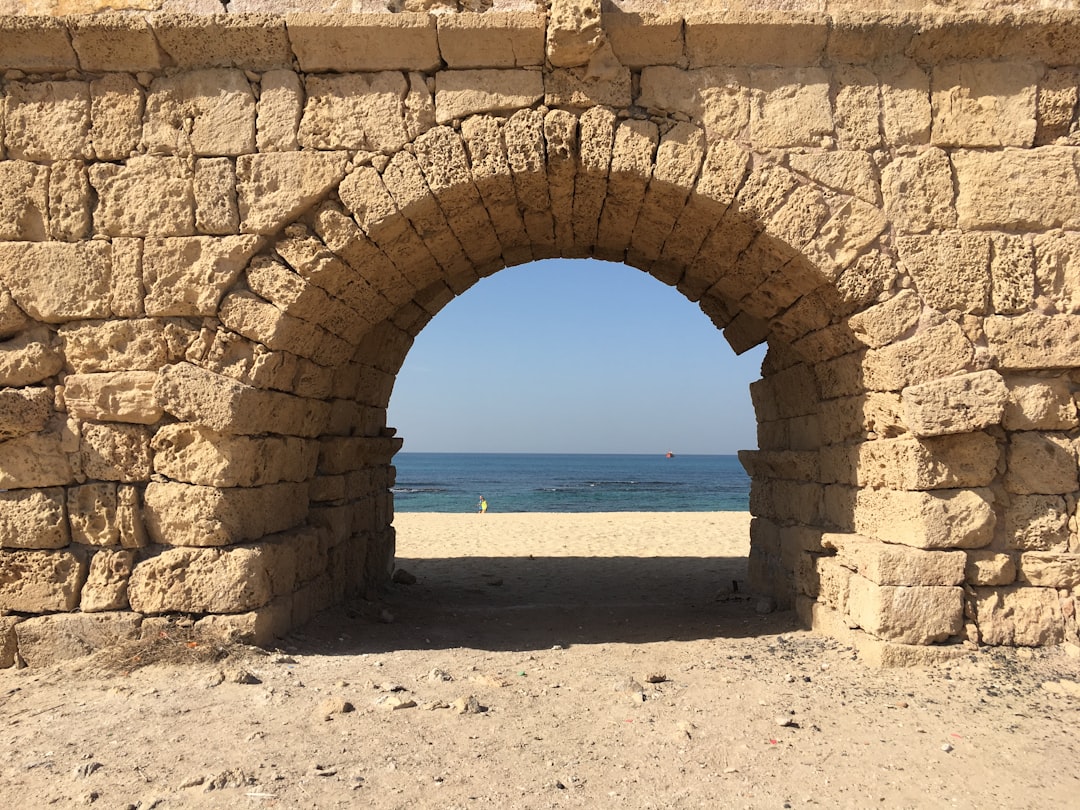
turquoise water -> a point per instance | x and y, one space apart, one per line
518 482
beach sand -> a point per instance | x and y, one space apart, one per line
594 660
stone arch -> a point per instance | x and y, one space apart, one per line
195 396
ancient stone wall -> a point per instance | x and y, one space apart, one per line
219 236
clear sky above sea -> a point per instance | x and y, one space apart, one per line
574 356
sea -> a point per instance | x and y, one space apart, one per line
548 482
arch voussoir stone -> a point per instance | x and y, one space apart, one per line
219 241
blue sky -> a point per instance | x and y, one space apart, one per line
574 356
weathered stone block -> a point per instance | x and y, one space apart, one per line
857 111
1057 269
644 38
255 41
1060 571
106 582
989 568
909 463
951 270
276 188
994 189
574 32
251 316
1018 615
24 205
114 42
187 515
9 644
1036 523
34 460
39 45
367 42
491 40
920 614
122 345
1056 105
880 325
203 112
146 196
281 103
355 111
1012 274
717 98
40 581
129 517
460 93
126 298
892 564
1039 403
188 275
789 107
214 187
576 87
47 121
1033 341
918 192
984 104
29 358
57 281
198 455
928 355
938 519
739 37
958 404
1041 464
48 639
119 396
92 514
23 411
114 452
214 581
33 518
905 104
69 201
116 113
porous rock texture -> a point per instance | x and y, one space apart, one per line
222 228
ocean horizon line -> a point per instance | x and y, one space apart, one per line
562 453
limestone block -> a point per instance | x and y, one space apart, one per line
932 520
994 189
281 103
119 396
984 104
853 227
8 643
106 582
746 38
860 416
644 38
114 452
122 345
366 42
214 187
1039 403
461 93
47 640
1056 105
29 358
292 294
928 355
1044 570
920 614
1020 616
188 275
909 463
891 564
260 627
92 514
786 500
359 256
1041 464
39 44
190 515
342 454
119 42
789 107
1012 274
12 319
40 581
857 109
1036 523
955 404
147 196
1057 269
989 568
254 318
58 281
491 40
574 32
126 296
34 460
203 112
69 201
847 172
129 517
23 411
905 104
1033 341
116 112
717 98
631 169
198 455
355 111
918 192
276 188
880 325
33 519
253 41
578 88
24 205
951 270
47 121
868 276
193 394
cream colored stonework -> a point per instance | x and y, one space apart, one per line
221 233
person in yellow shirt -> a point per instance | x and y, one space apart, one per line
483 505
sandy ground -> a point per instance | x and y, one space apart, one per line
554 661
